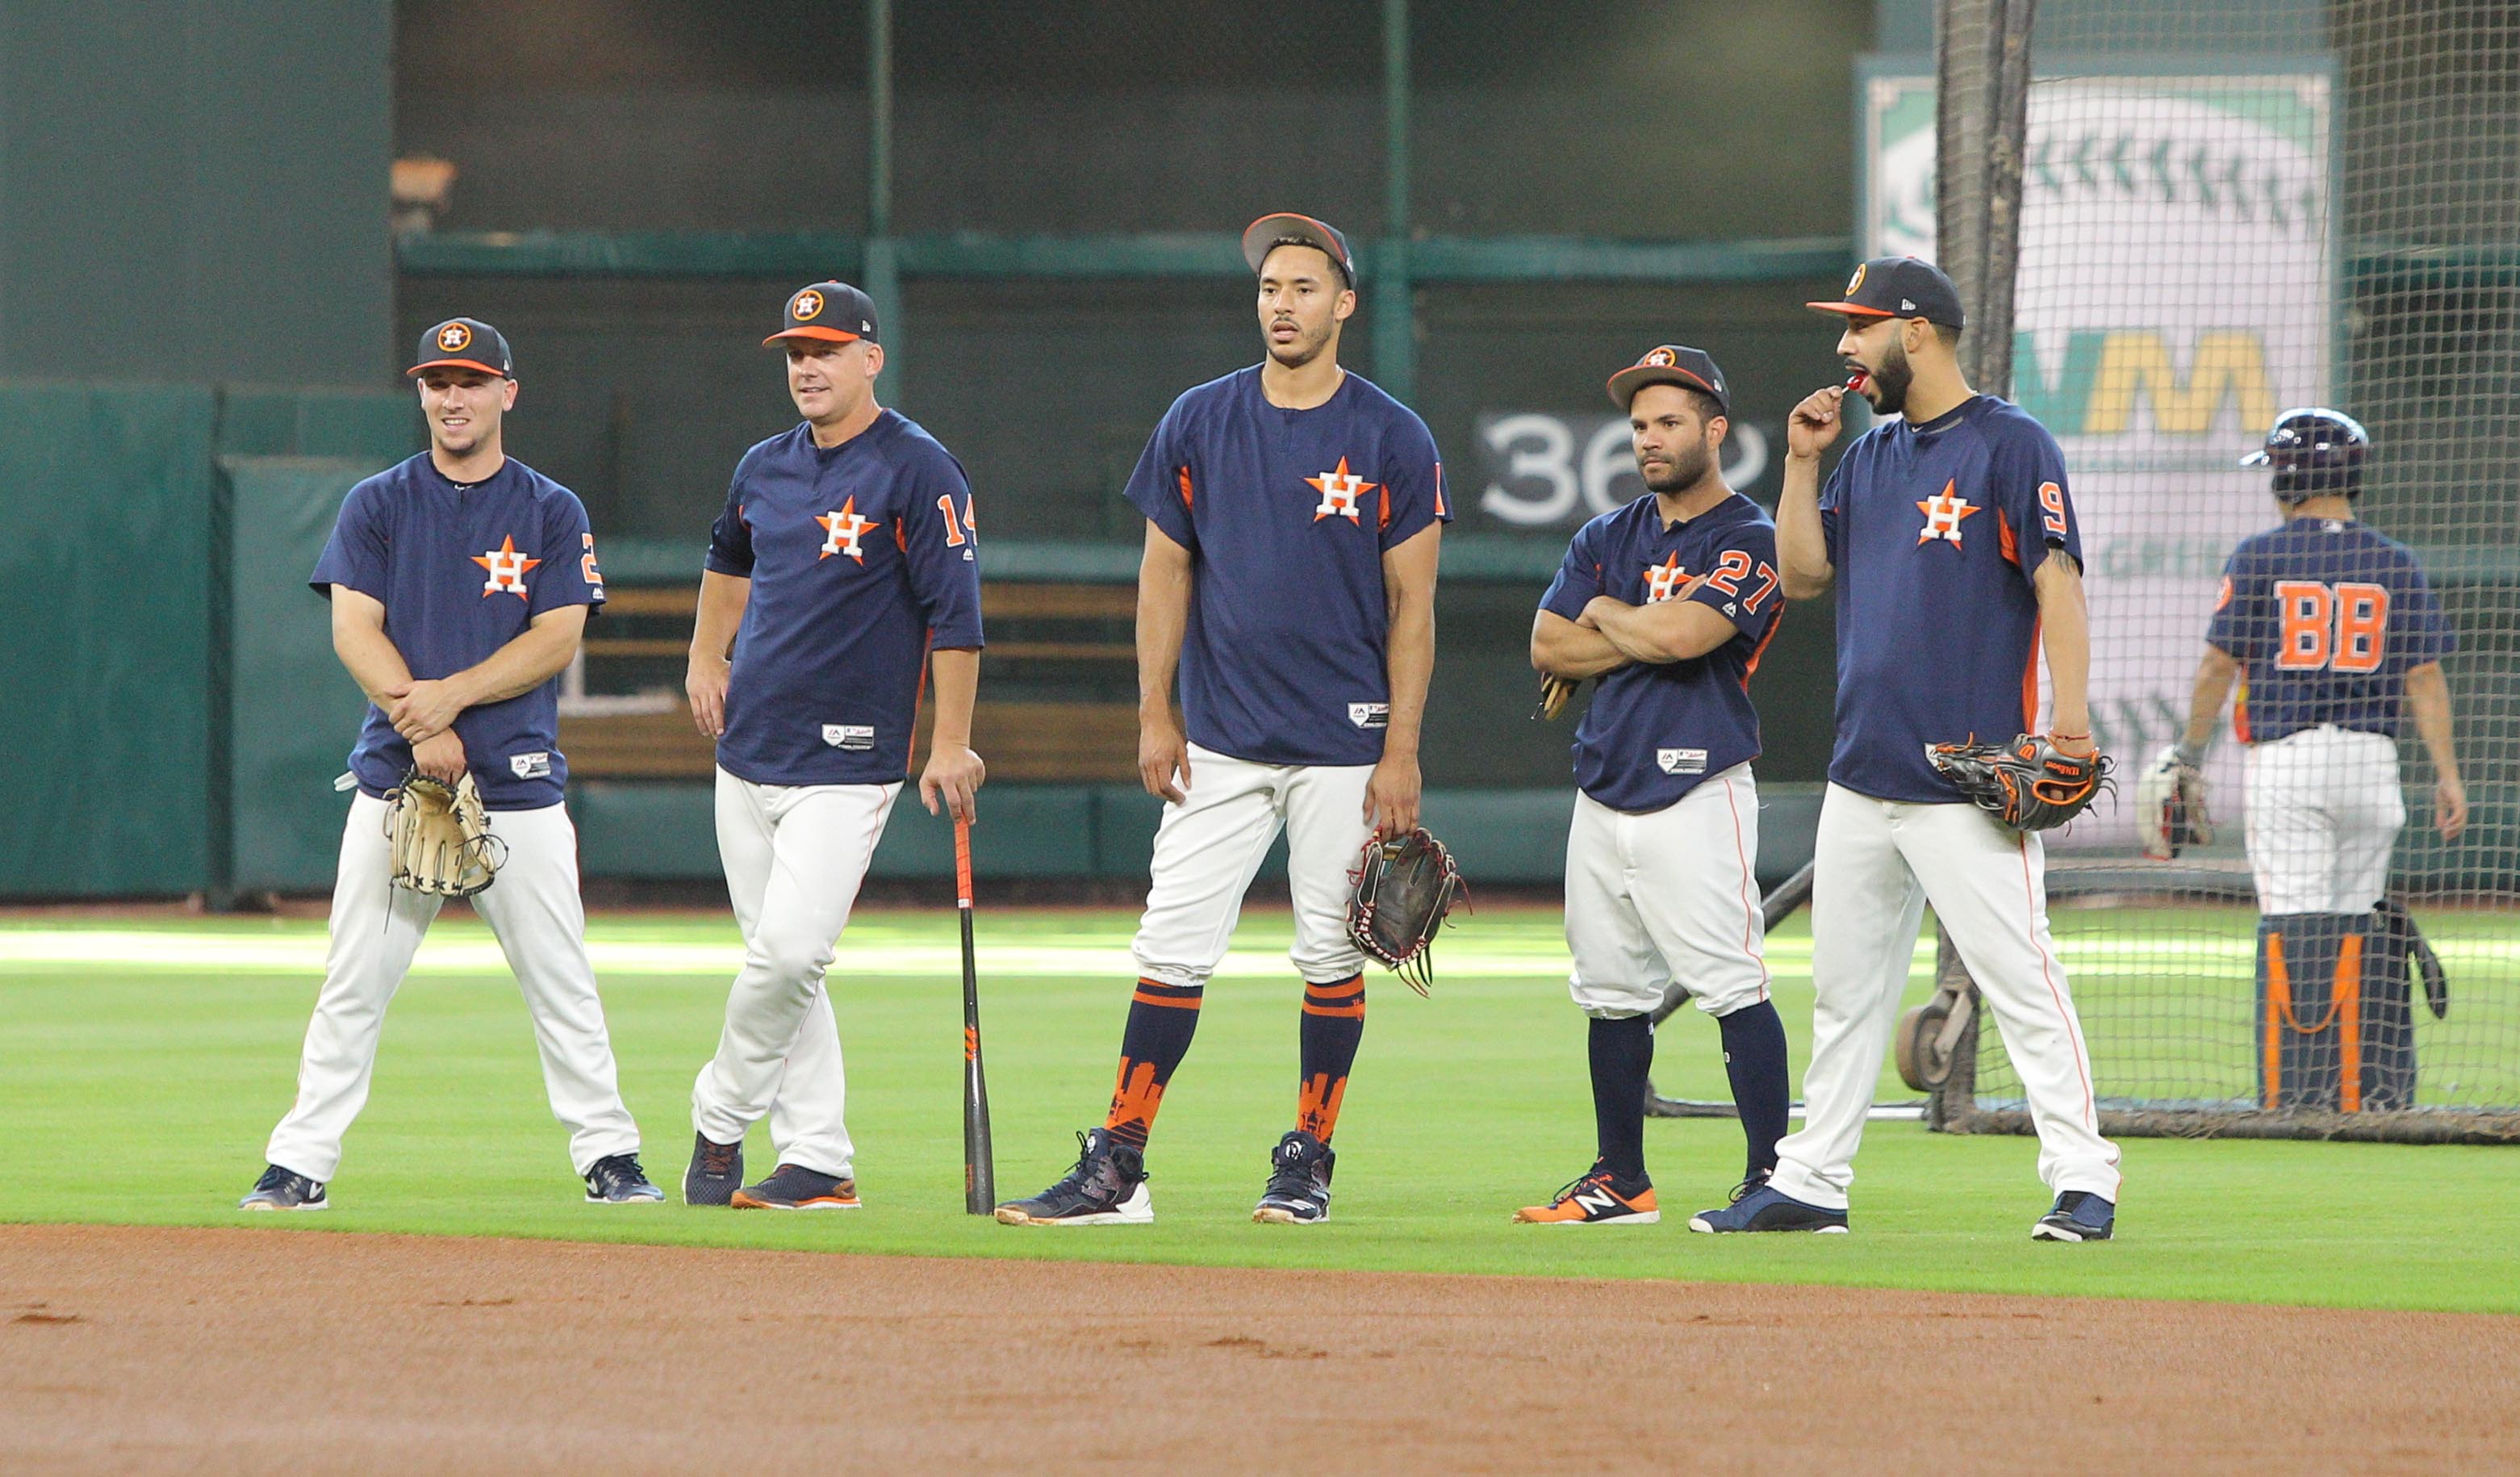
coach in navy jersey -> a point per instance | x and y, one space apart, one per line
1293 518
461 582
1669 601
844 553
1949 535
2334 636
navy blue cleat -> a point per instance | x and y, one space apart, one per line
617 1180
1765 1208
282 1189
716 1172
1298 1192
2077 1216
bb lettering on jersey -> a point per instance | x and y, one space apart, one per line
533 766
1370 715
856 738
1680 760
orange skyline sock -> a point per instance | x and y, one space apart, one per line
1163 1018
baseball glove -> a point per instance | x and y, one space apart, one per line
439 837
2169 807
2029 784
1554 694
1403 887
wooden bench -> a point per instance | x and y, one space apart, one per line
1041 740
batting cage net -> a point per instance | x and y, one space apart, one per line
2171 227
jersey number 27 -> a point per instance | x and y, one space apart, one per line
2339 627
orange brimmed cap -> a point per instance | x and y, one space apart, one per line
465 343
833 311
1898 287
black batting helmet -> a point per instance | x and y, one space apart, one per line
2314 450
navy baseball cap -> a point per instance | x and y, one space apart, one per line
1898 287
1287 228
465 343
1672 364
832 312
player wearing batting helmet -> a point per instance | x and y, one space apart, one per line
2332 635
1951 539
1293 512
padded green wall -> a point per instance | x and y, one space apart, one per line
105 593
294 711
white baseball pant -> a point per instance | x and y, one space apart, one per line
1666 897
1209 846
1880 862
2324 812
794 857
533 908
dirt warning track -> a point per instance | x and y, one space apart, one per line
193 1350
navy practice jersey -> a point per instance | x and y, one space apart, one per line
1935 531
1656 729
861 556
2326 617
461 571
1286 515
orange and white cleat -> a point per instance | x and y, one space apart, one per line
795 1187
1598 1198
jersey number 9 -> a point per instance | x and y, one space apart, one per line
2339 627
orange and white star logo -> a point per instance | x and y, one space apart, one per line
454 337
507 569
845 528
808 303
1945 512
1339 491
1665 580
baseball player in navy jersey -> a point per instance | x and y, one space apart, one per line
1669 601
845 552
1949 536
1293 517
461 582
2332 633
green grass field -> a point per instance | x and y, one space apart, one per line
142 1066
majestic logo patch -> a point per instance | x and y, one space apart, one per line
844 528
534 765
808 303
1680 760
1945 512
455 338
855 737
1340 491
1665 580
1855 284
507 567
1370 715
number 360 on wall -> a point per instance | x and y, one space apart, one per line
1536 476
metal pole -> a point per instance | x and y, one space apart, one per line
1395 305
882 268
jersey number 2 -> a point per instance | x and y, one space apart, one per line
2339 627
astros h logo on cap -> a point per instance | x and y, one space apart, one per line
1855 284
1661 359
455 338
807 305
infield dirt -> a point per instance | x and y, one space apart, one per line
214 1350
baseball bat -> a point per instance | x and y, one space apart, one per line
979 1172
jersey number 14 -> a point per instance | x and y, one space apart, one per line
2339 627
